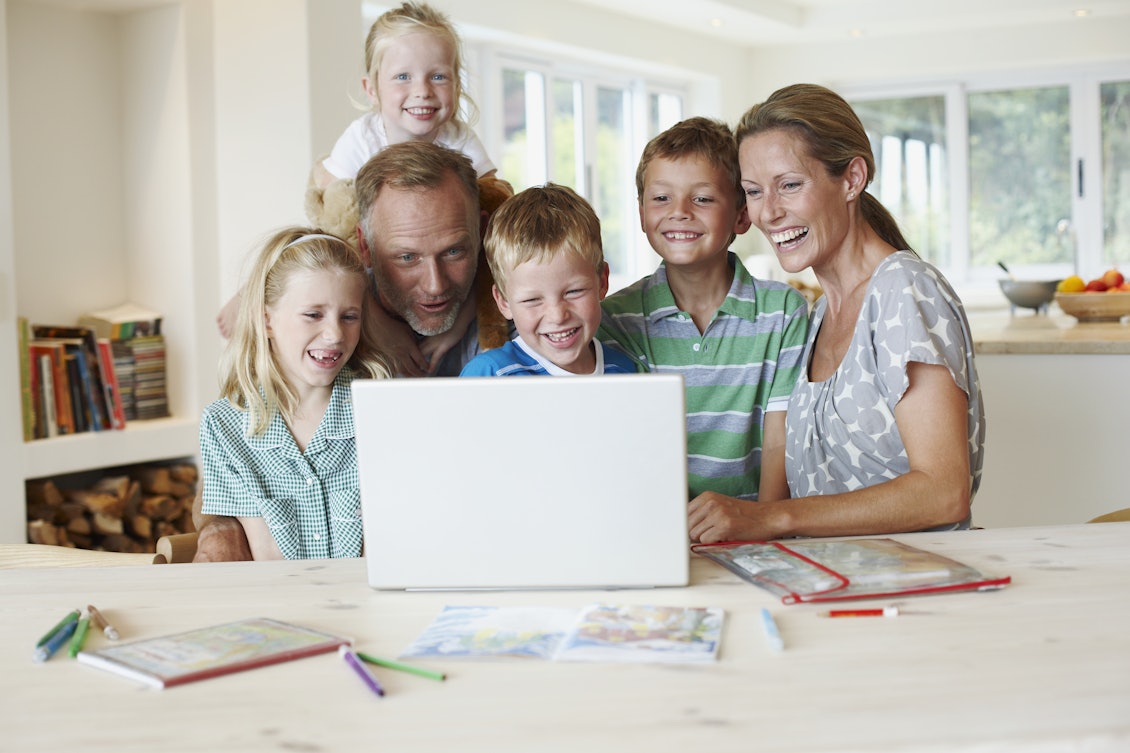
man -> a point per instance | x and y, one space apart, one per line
420 227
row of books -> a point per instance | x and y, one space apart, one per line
77 379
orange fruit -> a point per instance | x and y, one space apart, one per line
1072 284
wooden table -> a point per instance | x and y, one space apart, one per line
1043 665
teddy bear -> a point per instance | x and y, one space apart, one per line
334 210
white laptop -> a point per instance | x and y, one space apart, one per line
523 482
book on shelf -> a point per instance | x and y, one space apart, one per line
110 380
148 396
23 332
212 651
90 372
123 322
598 632
53 385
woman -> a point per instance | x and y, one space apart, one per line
885 428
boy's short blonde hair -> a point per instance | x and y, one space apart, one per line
706 138
538 223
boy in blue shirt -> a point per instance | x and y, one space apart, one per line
543 246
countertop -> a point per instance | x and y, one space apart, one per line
1053 333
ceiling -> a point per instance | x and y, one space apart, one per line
783 22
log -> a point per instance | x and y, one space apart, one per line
161 507
115 485
97 502
155 480
107 524
43 493
141 526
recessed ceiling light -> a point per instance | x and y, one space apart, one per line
716 22
857 32
1082 12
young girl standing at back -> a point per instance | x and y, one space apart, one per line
413 64
278 447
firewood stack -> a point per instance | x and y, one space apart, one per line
120 513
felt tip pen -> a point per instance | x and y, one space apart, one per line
101 623
72 616
390 664
356 665
61 636
772 632
880 612
79 637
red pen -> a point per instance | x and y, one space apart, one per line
881 612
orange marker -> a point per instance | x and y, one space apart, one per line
883 612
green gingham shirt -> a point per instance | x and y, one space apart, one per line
743 366
311 501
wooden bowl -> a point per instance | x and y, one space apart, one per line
1095 307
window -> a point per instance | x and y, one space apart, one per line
586 129
1034 175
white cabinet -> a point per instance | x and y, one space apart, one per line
1057 446
145 147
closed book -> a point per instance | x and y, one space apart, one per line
55 351
28 405
123 322
110 382
211 651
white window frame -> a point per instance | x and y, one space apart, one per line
489 59
1083 84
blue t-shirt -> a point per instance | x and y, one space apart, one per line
516 358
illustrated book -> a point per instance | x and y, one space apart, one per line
814 570
598 632
211 651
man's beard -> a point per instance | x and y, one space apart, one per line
402 306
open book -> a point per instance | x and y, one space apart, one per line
211 651
597 633
811 570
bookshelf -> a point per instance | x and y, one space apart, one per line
145 146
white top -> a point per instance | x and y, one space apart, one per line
366 136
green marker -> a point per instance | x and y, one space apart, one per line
389 664
71 617
79 637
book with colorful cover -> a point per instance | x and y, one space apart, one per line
598 632
211 651
110 382
816 570
55 352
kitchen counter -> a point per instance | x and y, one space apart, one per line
1054 333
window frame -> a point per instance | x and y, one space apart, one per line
1085 122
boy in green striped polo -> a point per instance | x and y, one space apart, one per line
736 340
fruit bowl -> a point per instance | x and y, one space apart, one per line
1029 294
1095 307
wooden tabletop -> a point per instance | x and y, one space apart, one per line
1042 665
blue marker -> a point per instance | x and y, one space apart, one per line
772 634
61 636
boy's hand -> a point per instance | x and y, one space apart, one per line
225 320
713 517
434 348
397 342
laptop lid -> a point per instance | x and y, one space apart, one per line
543 482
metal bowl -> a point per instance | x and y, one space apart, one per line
1029 294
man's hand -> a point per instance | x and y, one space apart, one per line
221 539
